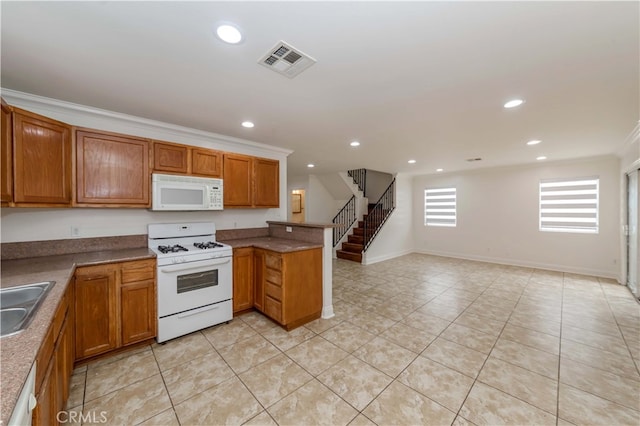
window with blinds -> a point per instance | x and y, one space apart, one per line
440 207
569 205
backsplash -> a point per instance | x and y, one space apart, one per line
21 250
26 249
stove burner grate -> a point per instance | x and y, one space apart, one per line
207 245
171 249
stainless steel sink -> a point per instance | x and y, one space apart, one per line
18 305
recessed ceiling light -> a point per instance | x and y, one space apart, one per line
542 157
439 170
355 143
311 165
513 103
411 161
533 142
247 124
229 34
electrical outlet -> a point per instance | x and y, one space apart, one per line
75 231
288 229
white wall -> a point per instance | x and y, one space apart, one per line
396 236
321 206
35 224
377 183
497 218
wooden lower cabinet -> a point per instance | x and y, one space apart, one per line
96 310
258 279
54 365
45 411
137 314
115 306
242 279
290 285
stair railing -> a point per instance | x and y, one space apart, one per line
359 177
379 214
346 216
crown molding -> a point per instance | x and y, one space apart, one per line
56 106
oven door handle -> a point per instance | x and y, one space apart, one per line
194 265
198 311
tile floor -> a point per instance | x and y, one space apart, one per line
415 340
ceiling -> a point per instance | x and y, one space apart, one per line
414 80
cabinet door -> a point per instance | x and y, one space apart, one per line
237 180
65 353
62 374
45 411
6 165
42 159
258 269
302 286
206 162
170 157
266 183
112 170
242 279
138 311
95 310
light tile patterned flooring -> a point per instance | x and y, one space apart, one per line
415 340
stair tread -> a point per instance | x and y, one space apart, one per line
345 255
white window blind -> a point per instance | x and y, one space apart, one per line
440 207
569 205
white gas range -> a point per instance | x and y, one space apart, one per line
195 277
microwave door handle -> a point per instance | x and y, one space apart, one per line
195 265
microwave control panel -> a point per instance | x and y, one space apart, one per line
215 197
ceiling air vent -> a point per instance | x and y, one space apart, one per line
286 60
471 160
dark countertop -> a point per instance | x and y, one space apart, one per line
18 352
280 245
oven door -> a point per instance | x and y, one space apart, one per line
190 285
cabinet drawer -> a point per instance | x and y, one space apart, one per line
274 277
273 309
273 291
138 271
273 261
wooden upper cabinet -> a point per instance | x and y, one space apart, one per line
251 181
206 162
112 170
186 160
266 183
6 165
42 160
238 176
169 157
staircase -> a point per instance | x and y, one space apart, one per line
362 235
353 248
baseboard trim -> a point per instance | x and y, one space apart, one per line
327 312
526 264
366 260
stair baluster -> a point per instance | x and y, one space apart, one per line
346 216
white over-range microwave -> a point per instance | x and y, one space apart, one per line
185 193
